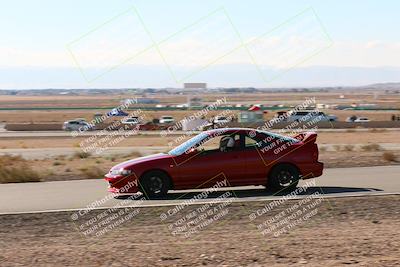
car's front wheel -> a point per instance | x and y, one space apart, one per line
283 176
155 184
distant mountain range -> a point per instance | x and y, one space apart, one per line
139 76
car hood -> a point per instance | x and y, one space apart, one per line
131 162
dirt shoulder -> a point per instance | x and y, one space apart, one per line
361 231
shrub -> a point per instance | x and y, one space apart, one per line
348 148
81 154
92 172
389 156
60 157
337 147
14 169
111 158
375 130
134 154
371 147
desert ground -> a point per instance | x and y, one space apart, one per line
342 231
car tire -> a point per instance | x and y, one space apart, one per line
283 176
154 184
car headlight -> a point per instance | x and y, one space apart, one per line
121 171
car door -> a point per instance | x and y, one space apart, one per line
258 158
204 168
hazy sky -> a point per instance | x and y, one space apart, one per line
165 43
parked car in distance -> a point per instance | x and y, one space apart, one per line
221 121
308 115
362 119
351 118
131 121
166 120
77 125
238 156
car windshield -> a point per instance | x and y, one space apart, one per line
179 150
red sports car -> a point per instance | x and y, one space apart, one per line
237 156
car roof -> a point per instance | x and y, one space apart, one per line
245 130
232 130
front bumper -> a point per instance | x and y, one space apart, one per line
121 184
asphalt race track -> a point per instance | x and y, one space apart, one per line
77 194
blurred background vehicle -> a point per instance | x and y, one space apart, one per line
77 124
221 120
131 121
362 119
166 119
307 115
351 118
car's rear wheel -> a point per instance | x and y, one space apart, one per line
283 176
155 184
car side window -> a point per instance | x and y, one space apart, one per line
214 144
250 142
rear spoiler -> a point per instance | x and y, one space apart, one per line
307 137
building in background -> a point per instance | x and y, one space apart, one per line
195 86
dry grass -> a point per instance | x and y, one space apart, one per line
135 154
92 172
343 148
323 148
337 147
81 155
375 130
348 148
14 169
371 147
389 156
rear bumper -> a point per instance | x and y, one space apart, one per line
312 170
